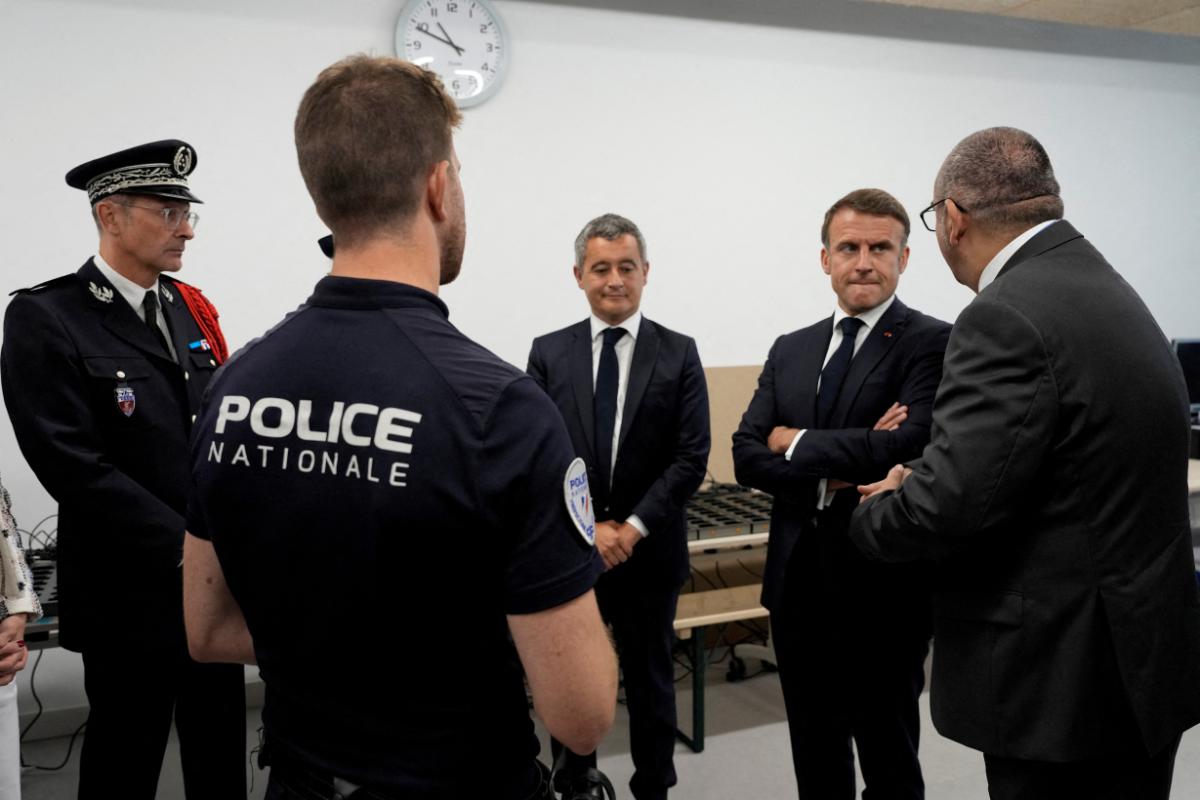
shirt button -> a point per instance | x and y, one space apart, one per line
186 376
121 374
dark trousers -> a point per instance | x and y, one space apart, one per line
1111 777
641 621
134 690
851 669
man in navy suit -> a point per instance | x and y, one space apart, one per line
836 402
635 402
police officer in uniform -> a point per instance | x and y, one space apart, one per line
103 370
382 508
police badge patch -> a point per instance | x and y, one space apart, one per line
579 501
125 400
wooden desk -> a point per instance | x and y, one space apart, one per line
698 610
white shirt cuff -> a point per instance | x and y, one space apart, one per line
633 520
792 449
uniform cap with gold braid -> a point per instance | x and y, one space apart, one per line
158 168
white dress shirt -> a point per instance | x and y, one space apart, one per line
624 348
135 295
869 319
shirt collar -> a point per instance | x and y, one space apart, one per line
992 270
336 291
135 295
631 325
868 318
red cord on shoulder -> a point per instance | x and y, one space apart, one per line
206 316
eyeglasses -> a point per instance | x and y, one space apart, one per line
930 222
172 217
929 215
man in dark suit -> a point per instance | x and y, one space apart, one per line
103 370
836 402
635 402
1054 495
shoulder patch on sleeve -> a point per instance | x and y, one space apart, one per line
579 501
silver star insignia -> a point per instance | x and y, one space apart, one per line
101 293
166 293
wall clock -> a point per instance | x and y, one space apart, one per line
464 41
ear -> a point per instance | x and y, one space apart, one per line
109 216
825 260
956 222
437 187
904 258
645 270
578 275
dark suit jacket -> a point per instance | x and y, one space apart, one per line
121 481
1055 490
900 361
662 449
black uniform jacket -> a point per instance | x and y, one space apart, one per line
662 450
1054 490
103 416
900 361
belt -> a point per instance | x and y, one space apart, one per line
304 782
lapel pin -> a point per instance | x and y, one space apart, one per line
166 293
887 334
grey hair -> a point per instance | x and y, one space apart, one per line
120 198
610 227
1003 178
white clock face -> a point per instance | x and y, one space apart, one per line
463 41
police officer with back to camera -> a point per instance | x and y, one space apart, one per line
366 478
103 371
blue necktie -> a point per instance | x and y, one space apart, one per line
604 402
835 371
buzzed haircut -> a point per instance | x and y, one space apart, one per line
875 202
1003 178
610 227
368 132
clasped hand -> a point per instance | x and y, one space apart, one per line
615 541
13 653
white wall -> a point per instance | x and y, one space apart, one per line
725 139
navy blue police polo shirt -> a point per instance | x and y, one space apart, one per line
381 491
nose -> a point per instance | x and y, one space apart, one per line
863 262
185 229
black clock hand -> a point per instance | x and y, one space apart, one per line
449 41
424 28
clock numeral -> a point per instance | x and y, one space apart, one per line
451 8
415 45
483 28
433 12
456 84
490 47
484 68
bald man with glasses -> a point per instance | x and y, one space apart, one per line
103 370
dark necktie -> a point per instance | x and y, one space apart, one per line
150 306
835 370
604 402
